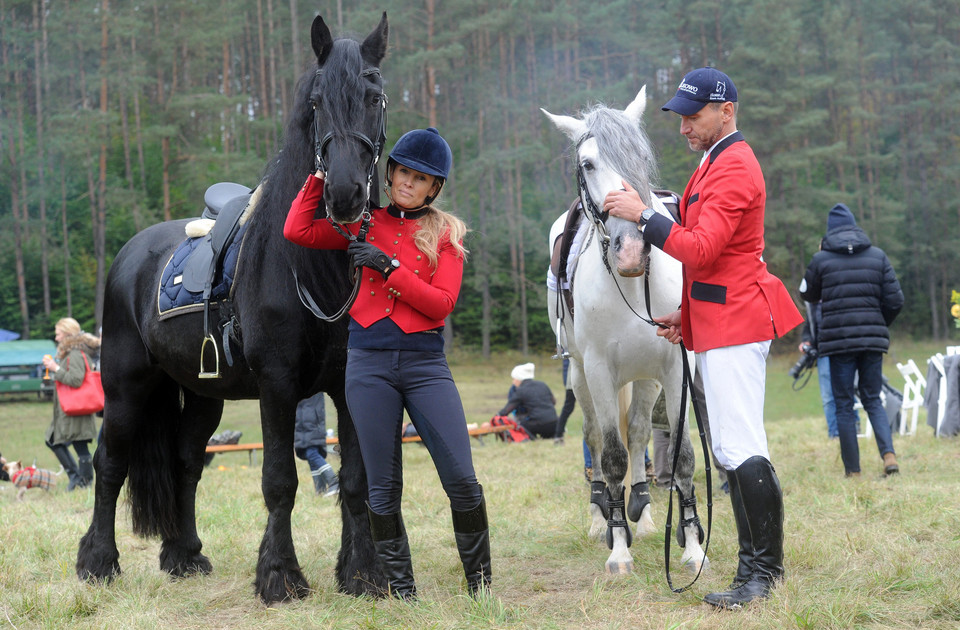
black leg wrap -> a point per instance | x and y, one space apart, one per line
472 532
613 505
691 504
639 499
598 496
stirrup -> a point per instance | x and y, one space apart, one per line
216 355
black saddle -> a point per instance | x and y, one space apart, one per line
225 203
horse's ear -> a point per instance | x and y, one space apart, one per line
635 109
573 128
374 47
321 39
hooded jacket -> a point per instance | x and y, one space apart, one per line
857 289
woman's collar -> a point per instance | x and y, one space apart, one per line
413 215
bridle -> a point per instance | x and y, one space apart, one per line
320 149
375 148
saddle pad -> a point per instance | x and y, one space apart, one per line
174 299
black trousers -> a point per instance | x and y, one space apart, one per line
381 384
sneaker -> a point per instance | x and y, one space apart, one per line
333 490
890 464
558 441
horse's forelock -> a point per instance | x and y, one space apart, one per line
341 87
624 146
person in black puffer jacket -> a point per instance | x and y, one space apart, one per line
860 297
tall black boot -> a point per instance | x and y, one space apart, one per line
762 501
473 542
745 565
393 552
66 460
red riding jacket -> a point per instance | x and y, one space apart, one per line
729 297
415 296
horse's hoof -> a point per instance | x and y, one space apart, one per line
619 567
94 567
281 587
694 566
184 565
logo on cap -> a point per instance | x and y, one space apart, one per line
686 87
720 93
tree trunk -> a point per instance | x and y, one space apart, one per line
41 159
66 242
100 223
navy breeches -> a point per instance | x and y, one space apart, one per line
380 385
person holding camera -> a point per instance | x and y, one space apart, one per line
859 297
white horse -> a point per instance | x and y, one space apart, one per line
610 343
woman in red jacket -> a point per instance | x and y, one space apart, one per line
412 263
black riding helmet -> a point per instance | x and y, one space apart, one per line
423 150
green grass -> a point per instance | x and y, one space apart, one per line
874 552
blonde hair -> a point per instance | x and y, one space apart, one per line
433 225
74 337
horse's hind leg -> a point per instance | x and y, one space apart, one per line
98 559
180 553
128 388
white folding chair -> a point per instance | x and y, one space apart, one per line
951 350
914 382
937 362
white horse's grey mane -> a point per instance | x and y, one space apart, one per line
623 144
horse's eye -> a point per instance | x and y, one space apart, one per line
376 100
586 165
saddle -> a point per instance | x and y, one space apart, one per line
200 272
560 265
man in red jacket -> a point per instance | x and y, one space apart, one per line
731 308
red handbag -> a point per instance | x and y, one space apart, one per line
83 400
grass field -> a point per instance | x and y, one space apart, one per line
873 552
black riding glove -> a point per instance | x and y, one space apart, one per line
364 254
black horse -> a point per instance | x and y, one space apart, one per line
159 414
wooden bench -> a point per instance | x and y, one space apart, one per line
253 447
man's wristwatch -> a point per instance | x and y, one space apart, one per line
645 215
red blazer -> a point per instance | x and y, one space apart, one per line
729 297
416 296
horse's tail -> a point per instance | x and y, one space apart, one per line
152 475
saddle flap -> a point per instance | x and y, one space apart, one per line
199 271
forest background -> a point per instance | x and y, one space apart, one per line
115 115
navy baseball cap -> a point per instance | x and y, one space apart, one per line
699 87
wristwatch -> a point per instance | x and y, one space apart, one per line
645 215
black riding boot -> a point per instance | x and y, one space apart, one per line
62 452
393 552
473 542
762 501
745 565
